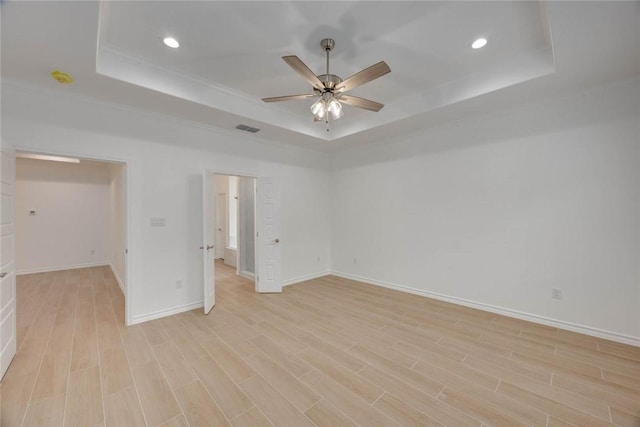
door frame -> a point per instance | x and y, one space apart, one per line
128 185
255 218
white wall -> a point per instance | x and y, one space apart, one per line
165 162
118 222
71 225
221 184
498 210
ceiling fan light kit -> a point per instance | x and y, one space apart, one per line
330 88
326 105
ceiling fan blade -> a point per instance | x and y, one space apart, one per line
301 68
288 98
364 76
361 103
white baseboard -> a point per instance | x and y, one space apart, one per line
61 267
305 278
561 324
166 312
115 273
200 304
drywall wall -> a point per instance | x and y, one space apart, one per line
165 161
70 227
118 222
221 184
499 210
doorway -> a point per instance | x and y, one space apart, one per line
256 213
71 213
235 216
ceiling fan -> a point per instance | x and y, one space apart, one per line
330 89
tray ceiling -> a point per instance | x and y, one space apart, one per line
230 53
230 58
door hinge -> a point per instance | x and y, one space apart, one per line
257 234
126 251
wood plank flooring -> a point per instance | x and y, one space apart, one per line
328 352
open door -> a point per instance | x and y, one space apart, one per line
208 237
7 276
268 240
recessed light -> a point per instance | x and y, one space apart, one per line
171 42
479 43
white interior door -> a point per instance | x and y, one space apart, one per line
7 276
208 237
221 224
268 236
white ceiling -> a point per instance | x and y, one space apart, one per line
230 57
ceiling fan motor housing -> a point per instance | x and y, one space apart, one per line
329 81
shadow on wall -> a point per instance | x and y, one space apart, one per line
94 117
603 104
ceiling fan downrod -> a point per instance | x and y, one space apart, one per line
328 45
329 80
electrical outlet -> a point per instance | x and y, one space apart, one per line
556 293
355 260
178 284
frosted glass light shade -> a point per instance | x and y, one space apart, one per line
335 108
318 109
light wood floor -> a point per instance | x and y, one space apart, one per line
329 352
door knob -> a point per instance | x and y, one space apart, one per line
3 274
209 247
277 241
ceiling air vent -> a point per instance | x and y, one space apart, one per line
247 128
